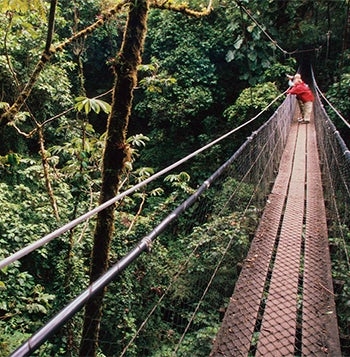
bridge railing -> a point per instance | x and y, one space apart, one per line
171 300
335 162
335 166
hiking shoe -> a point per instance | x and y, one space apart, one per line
300 120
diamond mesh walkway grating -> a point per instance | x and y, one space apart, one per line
283 303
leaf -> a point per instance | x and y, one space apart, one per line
137 140
252 55
94 105
157 192
4 105
230 55
237 45
104 106
88 104
251 28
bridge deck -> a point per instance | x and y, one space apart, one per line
283 303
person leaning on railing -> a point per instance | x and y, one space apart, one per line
304 96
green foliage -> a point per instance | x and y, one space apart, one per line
180 181
32 291
155 80
137 141
340 250
24 37
176 61
88 104
236 196
23 306
11 339
250 49
23 6
48 95
278 71
78 162
4 105
338 95
251 101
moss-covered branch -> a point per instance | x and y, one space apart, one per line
183 8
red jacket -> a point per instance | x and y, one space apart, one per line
302 91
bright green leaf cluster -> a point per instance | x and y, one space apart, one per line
87 104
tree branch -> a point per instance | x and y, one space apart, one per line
183 8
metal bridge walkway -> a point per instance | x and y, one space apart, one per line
283 303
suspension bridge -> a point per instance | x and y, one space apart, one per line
284 292
287 180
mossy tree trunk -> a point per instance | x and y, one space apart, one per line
115 154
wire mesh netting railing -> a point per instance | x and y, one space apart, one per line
171 301
335 166
335 161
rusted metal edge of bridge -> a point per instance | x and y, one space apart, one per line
283 302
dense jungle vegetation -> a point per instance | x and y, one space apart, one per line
96 96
